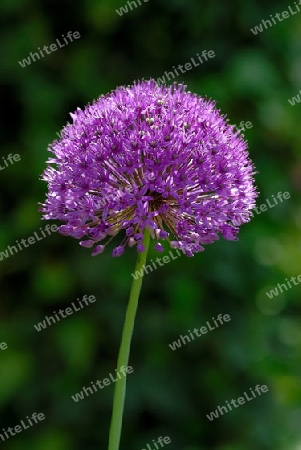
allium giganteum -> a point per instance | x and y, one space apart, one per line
149 156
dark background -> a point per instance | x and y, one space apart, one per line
169 393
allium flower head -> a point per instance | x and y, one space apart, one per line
149 156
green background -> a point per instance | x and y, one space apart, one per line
170 392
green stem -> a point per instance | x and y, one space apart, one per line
124 351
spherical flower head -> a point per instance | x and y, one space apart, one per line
149 156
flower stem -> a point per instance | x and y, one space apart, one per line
124 351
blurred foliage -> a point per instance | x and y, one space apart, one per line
169 393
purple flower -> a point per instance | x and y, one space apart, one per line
149 156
